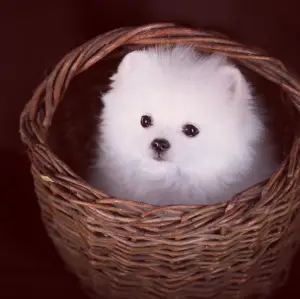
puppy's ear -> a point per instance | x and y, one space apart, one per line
128 63
235 82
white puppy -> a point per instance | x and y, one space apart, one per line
180 128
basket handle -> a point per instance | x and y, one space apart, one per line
38 113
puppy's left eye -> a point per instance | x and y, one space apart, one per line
190 130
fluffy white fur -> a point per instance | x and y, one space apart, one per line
178 86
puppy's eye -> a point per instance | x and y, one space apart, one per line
146 121
190 130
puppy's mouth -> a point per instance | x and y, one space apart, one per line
159 157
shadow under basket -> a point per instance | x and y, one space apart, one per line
239 249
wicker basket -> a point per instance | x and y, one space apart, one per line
238 249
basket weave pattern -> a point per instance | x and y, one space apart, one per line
230 250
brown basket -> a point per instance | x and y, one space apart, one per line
231 250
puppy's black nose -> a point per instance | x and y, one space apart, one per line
160 145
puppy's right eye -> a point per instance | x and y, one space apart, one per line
146 121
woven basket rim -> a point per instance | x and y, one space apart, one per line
37 115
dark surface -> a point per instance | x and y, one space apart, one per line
34 36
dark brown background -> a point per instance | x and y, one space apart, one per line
34 36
